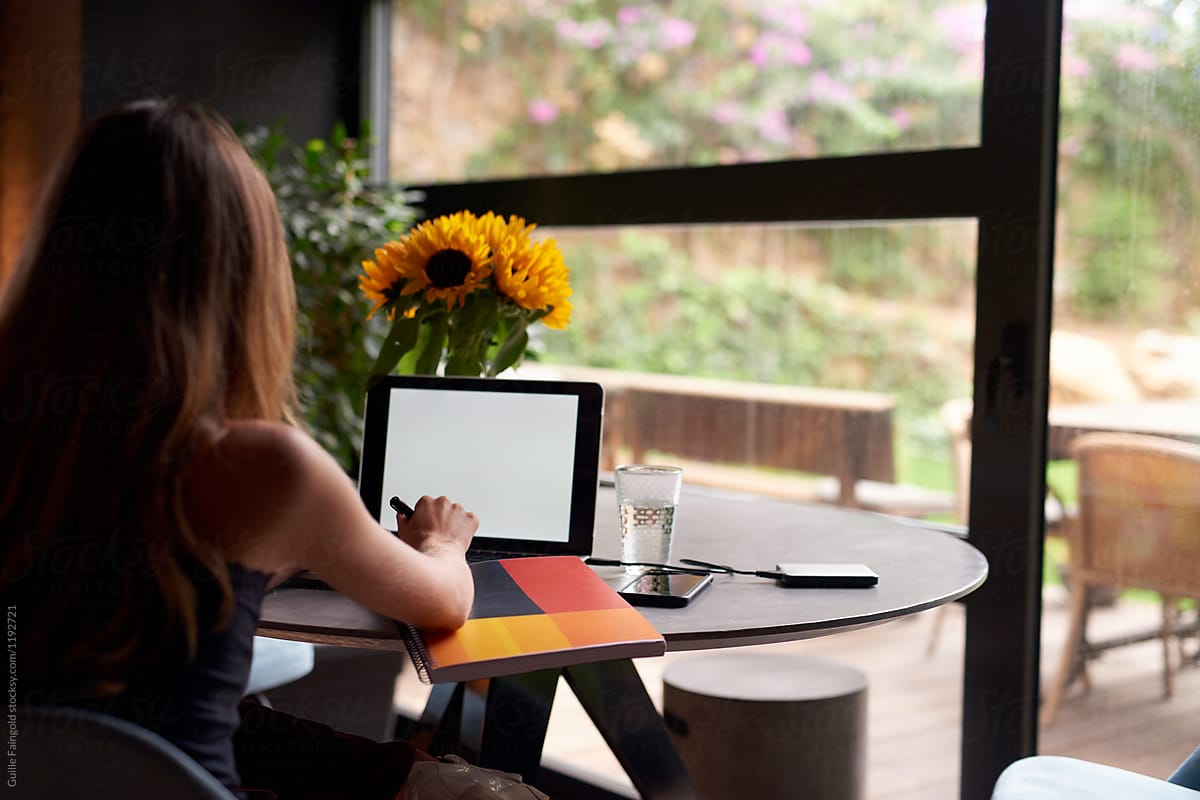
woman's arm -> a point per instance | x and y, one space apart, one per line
298 509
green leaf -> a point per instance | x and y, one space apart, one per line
471 328
400 339
339 135
511 350
475 320
433 343
464 362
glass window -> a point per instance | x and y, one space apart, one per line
884 311
503 88
866 312
1123 358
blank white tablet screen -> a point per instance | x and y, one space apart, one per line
507 457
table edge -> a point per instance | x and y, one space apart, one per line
787 633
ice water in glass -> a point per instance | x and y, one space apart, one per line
647 497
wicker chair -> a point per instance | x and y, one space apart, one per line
1138 526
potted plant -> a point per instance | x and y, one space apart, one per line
333 218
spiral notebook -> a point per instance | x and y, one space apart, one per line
530 614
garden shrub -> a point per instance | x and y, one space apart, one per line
332 219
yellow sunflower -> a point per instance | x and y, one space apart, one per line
534 276
380 280
447 258
497 230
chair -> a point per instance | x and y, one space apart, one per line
277 662
1062 778
956 417
348 689
1138 527
66 752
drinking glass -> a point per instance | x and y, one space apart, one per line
647 497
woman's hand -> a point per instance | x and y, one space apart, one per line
437 525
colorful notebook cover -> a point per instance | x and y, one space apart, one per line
530 614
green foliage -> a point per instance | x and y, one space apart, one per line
1130 158
1118 236
332 220
921 262
484 336
871 260
1063 477
600 85
648 310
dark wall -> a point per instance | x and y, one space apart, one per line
295 62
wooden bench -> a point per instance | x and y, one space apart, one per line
725 433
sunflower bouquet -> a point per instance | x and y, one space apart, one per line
463 289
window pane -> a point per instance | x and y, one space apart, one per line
881 312
1124 357
503 88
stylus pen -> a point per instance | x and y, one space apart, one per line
400 507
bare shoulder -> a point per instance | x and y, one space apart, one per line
280 503
257 462
248 489
270 446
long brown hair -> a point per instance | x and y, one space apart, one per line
153 302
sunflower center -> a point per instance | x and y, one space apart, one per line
448 268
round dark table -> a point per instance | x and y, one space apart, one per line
919 567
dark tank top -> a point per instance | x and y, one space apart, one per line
194 704
204 696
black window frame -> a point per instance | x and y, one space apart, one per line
1007 184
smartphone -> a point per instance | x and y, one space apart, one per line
664 589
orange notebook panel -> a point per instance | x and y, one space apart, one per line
531 614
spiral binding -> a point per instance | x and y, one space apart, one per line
416 651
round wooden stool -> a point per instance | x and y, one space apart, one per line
768 725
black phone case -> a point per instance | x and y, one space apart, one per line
655 600
664 600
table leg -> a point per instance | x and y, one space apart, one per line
615 698
518 711
515 720
440 727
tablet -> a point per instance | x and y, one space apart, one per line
523 455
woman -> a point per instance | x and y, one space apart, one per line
153 484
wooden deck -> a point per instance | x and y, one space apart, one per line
915 699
